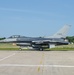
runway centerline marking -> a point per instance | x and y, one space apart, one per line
23 65
7 57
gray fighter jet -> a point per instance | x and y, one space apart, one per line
40 42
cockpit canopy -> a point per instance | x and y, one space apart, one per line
16 36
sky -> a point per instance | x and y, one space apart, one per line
35 17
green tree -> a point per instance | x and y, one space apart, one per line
70 38
2 38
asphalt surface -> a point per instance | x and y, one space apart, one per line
36 62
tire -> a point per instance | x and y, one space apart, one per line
41 49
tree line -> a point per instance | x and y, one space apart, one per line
70 39
2 38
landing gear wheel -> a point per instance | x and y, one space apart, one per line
41 49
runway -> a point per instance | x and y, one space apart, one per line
36 62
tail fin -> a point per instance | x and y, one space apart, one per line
62 32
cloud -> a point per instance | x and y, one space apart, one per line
27 11
14 10
50 14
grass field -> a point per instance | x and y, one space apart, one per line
9 46
63 47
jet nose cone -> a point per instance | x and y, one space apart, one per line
8 40
2 40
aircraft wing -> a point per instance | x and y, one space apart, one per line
41 41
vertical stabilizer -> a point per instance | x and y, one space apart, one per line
62 32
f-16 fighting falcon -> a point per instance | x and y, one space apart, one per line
40 43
